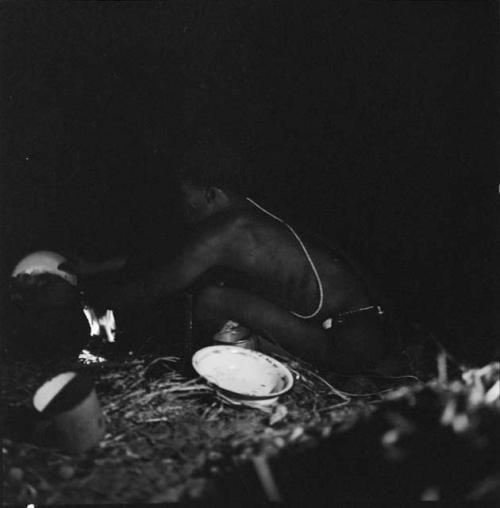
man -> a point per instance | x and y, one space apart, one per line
248 266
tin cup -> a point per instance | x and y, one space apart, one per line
239 336
70 403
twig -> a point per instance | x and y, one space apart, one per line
266 478
335 406
332 389
442 368
193 388
208 409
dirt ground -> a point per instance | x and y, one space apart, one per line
167 435
170 437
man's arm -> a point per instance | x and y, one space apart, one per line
208 247
80 266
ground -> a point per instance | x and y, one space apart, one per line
170 437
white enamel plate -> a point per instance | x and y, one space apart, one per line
243 374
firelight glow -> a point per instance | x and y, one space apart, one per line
88 358
107 322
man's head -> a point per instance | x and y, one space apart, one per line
200 202
211 178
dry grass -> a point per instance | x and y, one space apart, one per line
168 437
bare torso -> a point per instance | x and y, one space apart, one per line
263 255
248 267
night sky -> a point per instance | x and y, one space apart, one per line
371 121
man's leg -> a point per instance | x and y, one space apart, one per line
347 352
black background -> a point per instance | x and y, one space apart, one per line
373 121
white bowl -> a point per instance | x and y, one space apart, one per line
243 374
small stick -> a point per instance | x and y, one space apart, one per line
335 406
442 367
266 478
340 394
193 388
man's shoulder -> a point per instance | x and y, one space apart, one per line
224 234
230 220
224 224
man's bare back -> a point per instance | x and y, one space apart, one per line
265 280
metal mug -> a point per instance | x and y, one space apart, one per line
70 403
238 336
